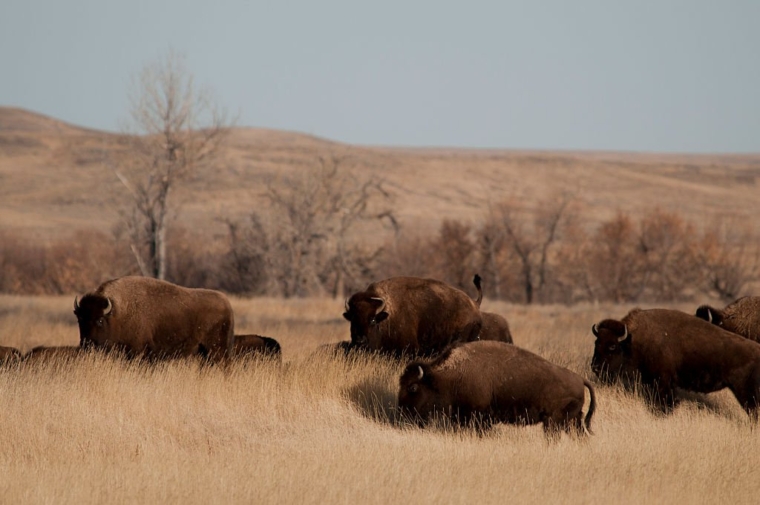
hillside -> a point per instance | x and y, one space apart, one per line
55 178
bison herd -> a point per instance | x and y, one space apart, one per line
465 367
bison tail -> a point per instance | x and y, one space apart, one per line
592 405
476 281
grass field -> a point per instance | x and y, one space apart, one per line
320 429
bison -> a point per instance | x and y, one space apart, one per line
256 345
42 352
495 327
741 317
9 355
669 349
411 315
156 319
485 382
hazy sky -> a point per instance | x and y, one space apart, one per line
660 75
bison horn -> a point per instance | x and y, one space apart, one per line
421 372
346 304
709 316
109 307
382 304
76 303
595 330
625 334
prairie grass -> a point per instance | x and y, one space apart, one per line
322 428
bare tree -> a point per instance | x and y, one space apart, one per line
730 258
323 228
454 251
176 132
531 241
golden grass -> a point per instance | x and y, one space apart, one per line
319 428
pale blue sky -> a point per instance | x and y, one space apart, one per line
673 76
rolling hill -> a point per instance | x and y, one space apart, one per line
56 177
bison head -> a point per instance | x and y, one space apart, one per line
710 315
611 349
93 314
363 312
417 395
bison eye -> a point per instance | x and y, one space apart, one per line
100 322
414 388
611 347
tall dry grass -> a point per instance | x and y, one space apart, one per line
319 428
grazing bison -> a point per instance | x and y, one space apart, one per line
9 355
495 327
741 317
144 316
410 314
42 352
487 382
670 349
335 348
256 345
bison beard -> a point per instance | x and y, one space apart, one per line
485 382
668 349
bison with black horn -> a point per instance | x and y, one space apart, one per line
485 382
669 349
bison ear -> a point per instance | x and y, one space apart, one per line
346 316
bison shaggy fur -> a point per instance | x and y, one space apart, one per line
153 318
669 349
741 317
486 382
411 315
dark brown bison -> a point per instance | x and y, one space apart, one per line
42 352
256 345
486 382
410 314
335 348
741 317
144 316
495 327
9 355
669 349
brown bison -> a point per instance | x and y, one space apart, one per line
741 317
495 327
410 314
669 349
144 316
9 355
256 345
486 382
42 352
335 348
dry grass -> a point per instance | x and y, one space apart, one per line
319 429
